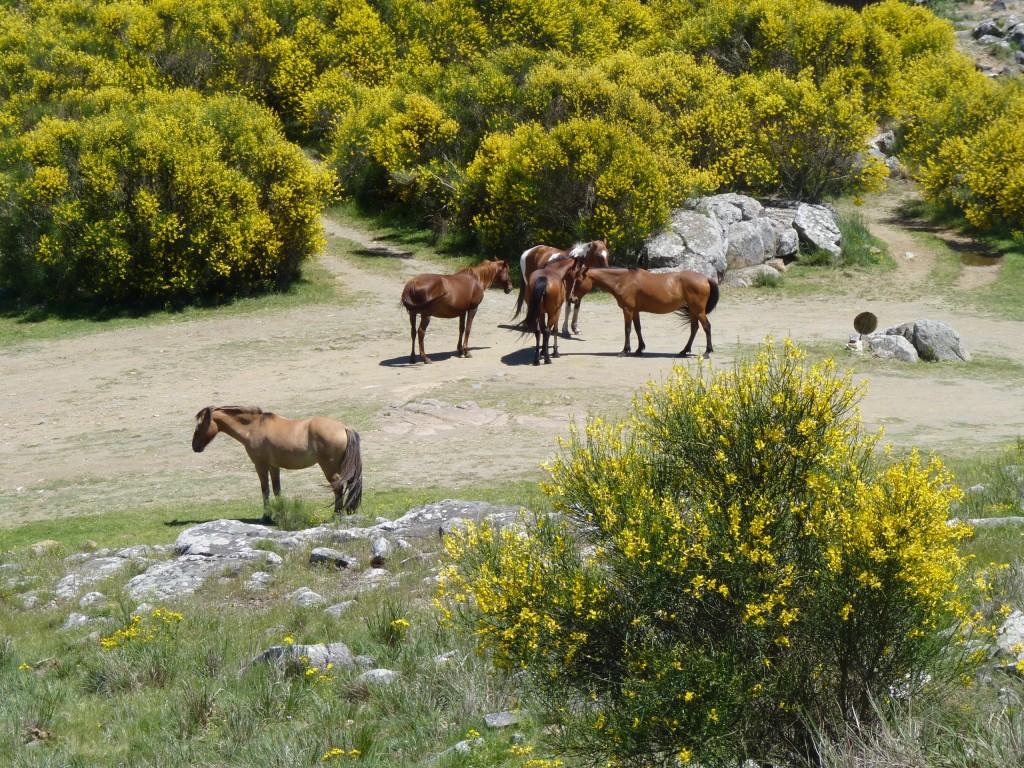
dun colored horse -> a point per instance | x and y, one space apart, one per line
594 253
275 443
449 296
636 290
546 294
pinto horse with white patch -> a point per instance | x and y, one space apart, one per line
593 254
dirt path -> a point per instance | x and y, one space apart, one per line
104 421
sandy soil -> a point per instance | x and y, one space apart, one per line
105 420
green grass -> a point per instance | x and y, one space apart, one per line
402 234
1000 298
162 524
187 696
19 324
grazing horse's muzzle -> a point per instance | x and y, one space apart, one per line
198 448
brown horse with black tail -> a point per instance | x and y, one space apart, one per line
275 443
547 292
593 254
450 296
636 290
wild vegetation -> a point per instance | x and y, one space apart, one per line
747 599
150 151
497 123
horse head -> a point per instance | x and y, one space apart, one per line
597 254
206 429
504 277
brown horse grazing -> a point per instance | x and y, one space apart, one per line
636 290
275 443
594 253
449 296
547 291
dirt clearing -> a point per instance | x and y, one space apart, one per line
104 421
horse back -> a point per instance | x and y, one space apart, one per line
422 291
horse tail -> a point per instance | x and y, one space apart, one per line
521 299
712 298
348 487
533 309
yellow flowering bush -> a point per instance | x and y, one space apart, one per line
732 570
158 624
167 196
583 179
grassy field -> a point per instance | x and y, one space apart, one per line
181 692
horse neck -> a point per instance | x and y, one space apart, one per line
237 425
561 266
603 278
485 273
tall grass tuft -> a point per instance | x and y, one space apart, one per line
860 247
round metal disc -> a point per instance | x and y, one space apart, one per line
865 322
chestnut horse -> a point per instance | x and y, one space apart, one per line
594 253
546 293
636 290
449 296
275 443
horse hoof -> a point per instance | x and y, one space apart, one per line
684 353
707 355
623 353
547 361
536 362
427 360
467 355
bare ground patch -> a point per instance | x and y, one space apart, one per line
104 421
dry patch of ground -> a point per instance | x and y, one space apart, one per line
104 421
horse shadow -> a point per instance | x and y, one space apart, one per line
522 356
665 355
383 252
402 361
176 523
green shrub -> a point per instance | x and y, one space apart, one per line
860 247
164 196
581 179
754 575
767 280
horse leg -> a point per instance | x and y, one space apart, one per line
628 321
460 350
547 339
689 342
275 479
576 316
553 328
469 327
640 346
412 323
707 332
424 322
565 325
536 345
262 471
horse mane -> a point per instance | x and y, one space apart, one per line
243 410
580 249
